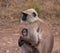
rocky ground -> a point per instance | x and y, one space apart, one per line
10 13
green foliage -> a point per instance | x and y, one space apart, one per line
36 6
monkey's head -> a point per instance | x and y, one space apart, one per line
29 16
29 36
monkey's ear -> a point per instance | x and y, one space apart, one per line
34 14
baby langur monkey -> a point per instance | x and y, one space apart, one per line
27 38
36 37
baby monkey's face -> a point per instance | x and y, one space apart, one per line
29 36
22 38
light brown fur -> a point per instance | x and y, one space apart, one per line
43 35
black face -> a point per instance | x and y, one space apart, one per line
24 17
21 40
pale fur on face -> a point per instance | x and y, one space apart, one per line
30 17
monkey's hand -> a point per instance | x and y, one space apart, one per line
20 41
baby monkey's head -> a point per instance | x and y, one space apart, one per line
29 37
21 40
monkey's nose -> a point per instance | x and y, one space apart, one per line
20 41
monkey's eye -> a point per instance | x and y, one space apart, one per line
25 32
34 14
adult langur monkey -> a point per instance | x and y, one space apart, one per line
36 37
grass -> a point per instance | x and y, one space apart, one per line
36 6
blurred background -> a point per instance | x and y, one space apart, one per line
10 14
